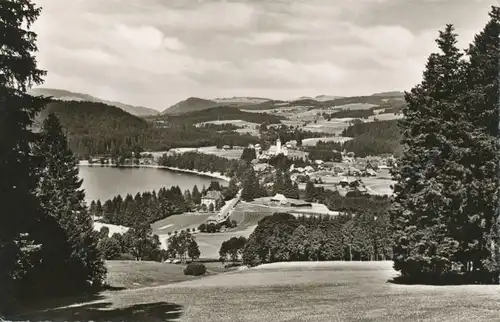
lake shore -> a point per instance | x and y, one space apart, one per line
215 175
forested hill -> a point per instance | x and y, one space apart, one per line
100 129
81 117
223 113
64 95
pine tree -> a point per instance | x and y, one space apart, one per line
20 209
61 196
196 195
425 200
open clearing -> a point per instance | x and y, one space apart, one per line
234 153
310 291
179 222
246 216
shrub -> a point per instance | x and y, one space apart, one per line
195 269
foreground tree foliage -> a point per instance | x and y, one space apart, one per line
61 196
444 212
20 209
38 253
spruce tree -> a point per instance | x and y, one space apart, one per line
426 197
481 237
61 196
20 209
251 186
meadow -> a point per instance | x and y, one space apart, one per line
305 291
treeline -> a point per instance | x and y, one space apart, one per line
283 237
149 207
325 151
221 127
353 202
138 243
269 134
98 129
222 113
205 163
371 138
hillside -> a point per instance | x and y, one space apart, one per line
223 113
192 104
65 95
99 129
323 102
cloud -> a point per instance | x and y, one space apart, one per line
156 52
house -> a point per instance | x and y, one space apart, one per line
226 147
212 197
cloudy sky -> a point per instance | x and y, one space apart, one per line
157 52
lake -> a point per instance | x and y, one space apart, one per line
106 182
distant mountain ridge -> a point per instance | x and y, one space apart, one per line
194 104
65 95
191 104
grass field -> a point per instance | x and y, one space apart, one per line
246 216
132 274
308 291
179 222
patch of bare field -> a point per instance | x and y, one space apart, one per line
330 291
179 222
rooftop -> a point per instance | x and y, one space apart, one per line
212 194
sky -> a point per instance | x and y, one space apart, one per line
155 53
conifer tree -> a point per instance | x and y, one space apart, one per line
251 186
61 196
20 209
426 198
482 241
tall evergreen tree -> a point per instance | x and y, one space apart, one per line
251 186
61 196
425 200
20 209
481 239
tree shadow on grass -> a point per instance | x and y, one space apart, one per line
159 311
455 279
48 303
